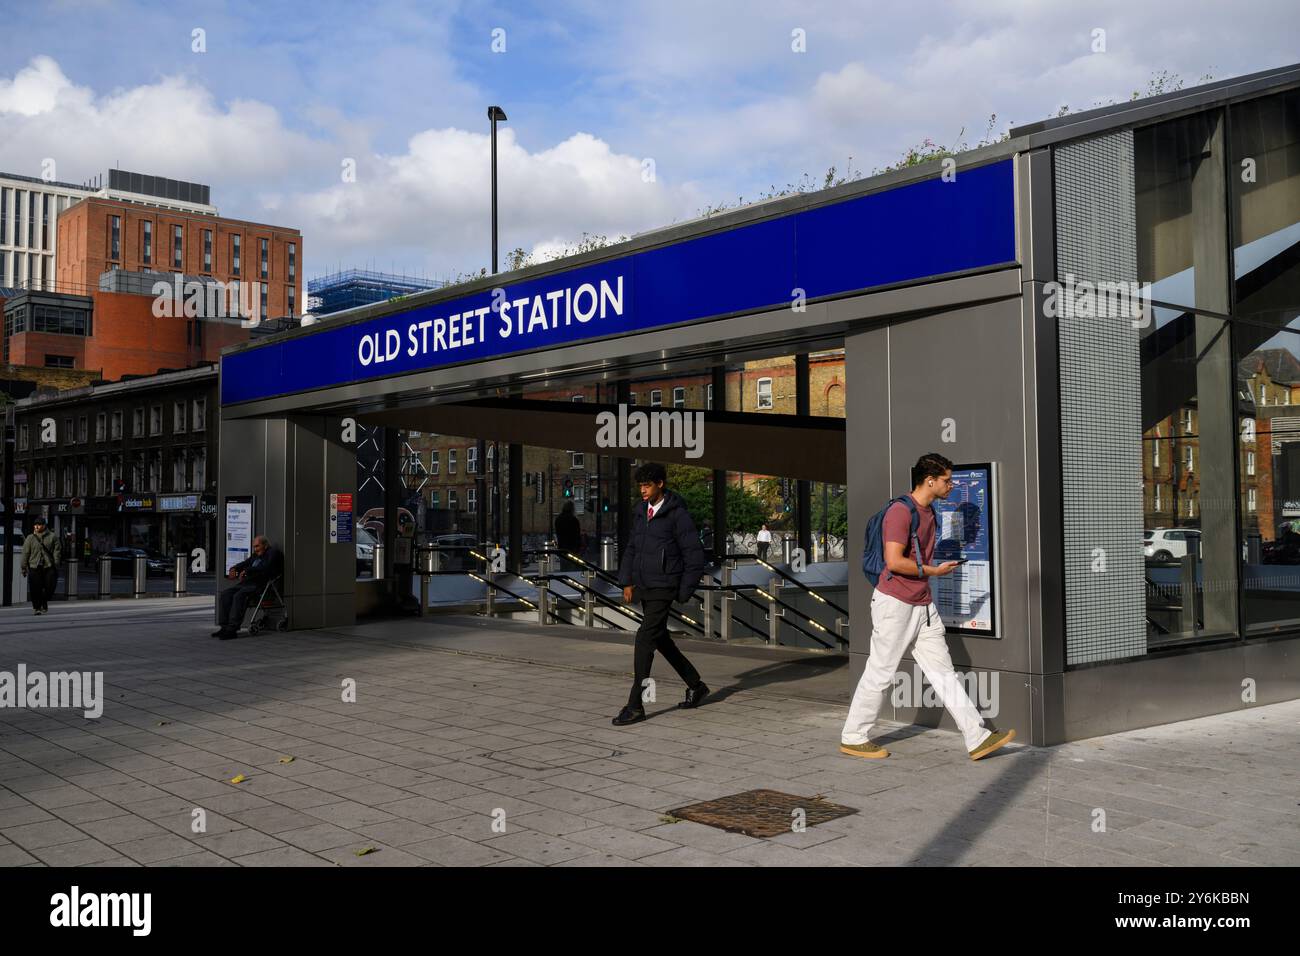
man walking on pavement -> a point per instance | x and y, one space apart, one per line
903 611
42 552
662 564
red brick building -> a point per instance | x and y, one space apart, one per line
97 235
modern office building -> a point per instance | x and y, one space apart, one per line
1051 312
30 208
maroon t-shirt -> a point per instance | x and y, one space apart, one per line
898 527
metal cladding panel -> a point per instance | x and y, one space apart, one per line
910 233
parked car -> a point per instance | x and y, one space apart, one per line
365 551
124 561
1169 544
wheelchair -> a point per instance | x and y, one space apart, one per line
269 610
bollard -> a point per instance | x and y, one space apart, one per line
1188 580
542 593
70 582
774 613
589 600
105 576
489 592
726 597
378 571
787 548
180 576
607 548
140 577
706 605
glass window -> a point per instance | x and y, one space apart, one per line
656 397
115 238
45 221
293 261
178 417
451 461
234 255
101 427
265 245
137 423
207 250
764 393
4 221
155 420
22 437
83 428
452 503
200 482
263 313
710 398
433 462
290 295
117 425
679 397
1191 585
178 247
146 254
471 460
471 499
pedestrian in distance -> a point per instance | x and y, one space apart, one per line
764 542
42 552
897 560
662 563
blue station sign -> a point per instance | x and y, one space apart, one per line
912 232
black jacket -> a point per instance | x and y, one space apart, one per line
260 570
664 552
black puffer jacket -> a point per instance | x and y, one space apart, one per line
665 551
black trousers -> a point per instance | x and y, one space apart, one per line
652 635
232 602
762 549
40 586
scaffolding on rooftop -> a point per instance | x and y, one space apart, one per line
350 288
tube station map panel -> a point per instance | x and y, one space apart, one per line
967 598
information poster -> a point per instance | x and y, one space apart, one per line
967 598
340 518
239 530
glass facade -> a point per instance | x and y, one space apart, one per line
1200 217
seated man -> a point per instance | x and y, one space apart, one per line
266 564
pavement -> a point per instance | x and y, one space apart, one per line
488 743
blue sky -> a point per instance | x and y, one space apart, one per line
712 94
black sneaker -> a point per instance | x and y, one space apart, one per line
219 631
227 634
628 716
695 696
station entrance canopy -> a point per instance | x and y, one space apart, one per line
743 263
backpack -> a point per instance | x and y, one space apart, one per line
873 548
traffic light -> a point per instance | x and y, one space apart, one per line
604 504
568 487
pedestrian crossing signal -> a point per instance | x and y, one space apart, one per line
568 487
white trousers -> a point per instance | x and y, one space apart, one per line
895 625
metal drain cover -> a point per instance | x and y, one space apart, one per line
762 813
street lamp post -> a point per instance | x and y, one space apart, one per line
495 115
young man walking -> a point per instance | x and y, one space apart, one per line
42 553
903 611
662 564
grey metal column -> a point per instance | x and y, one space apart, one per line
803 487
623 481
1216 385
719 475
7 561
515 491
392 482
